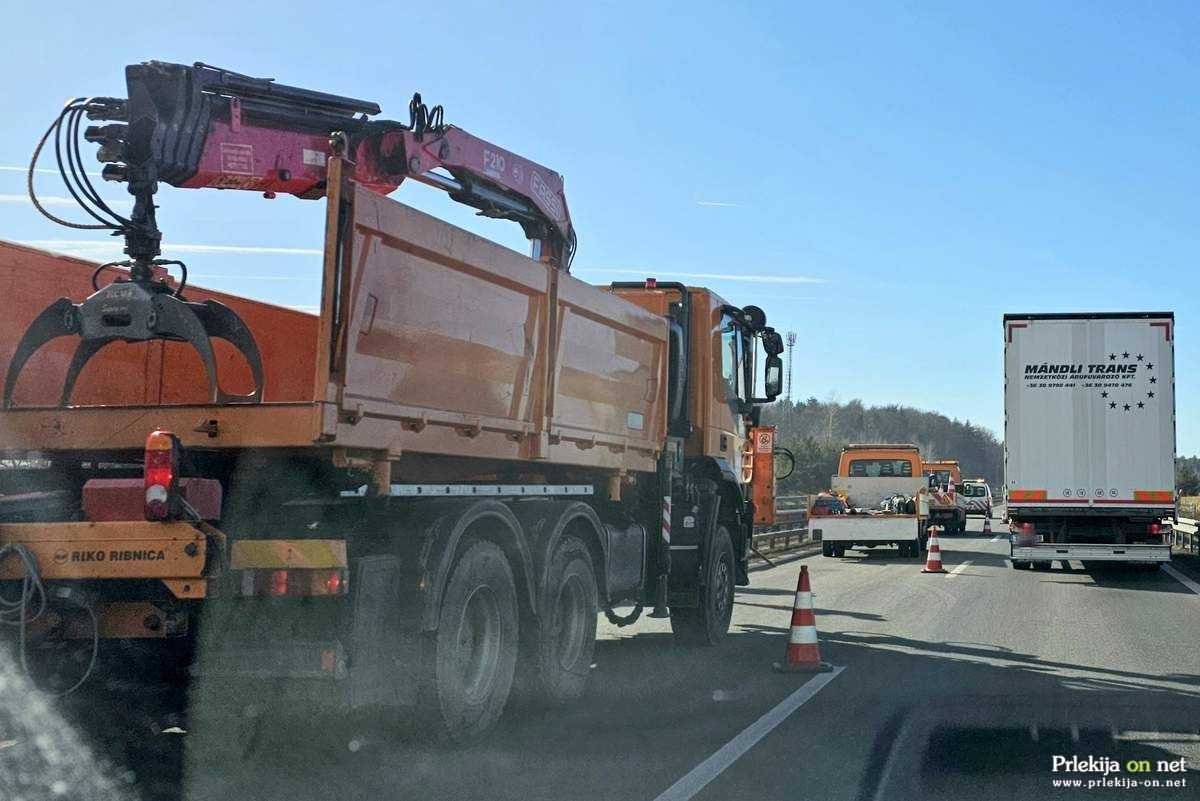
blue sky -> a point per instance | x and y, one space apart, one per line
896 176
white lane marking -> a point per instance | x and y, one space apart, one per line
959 568
698 777
1182 579
996 538
886 773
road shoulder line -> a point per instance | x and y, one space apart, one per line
698 777
1182 579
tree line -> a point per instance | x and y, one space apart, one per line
815 431
1187 475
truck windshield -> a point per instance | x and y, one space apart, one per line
880 468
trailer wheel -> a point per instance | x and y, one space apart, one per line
826 549
469 662
708 623
556 654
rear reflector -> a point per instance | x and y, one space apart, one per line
294 582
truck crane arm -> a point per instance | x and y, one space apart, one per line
200 126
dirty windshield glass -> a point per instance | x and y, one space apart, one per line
531 401
880 468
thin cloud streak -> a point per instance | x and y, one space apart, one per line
56 200
719 203
85 246
9 168
243 277
750 279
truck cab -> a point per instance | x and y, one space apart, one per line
947 507
888 497
868 473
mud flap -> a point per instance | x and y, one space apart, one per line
377 644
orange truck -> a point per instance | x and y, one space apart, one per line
947 503
887 495
418 498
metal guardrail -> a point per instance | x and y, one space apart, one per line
1184 535
789 532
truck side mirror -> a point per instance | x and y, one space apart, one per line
773 377
772 342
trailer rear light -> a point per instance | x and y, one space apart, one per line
651 283
278 583
294 582
333 583
161 475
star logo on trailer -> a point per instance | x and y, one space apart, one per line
1132 373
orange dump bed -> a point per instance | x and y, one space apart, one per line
430 340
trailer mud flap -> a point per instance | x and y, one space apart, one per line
377 640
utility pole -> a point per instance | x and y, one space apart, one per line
791 345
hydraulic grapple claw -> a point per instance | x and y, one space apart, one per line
137 311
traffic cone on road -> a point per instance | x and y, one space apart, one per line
803 654
933 563
987 525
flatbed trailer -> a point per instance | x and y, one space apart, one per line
905 532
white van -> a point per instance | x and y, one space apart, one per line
975 497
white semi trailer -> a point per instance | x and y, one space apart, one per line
1089 437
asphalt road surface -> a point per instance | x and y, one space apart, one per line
960 685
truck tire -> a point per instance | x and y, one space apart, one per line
556 652
840 550
469 662
708 623
826 549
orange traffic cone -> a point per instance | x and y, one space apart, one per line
987 525
933 563
803 655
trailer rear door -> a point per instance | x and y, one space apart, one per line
1090 412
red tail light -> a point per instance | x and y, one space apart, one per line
333 583
279 583
161 475
1156 529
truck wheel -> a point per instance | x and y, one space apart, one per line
708 623
826 549
840 550
556 654
469 662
